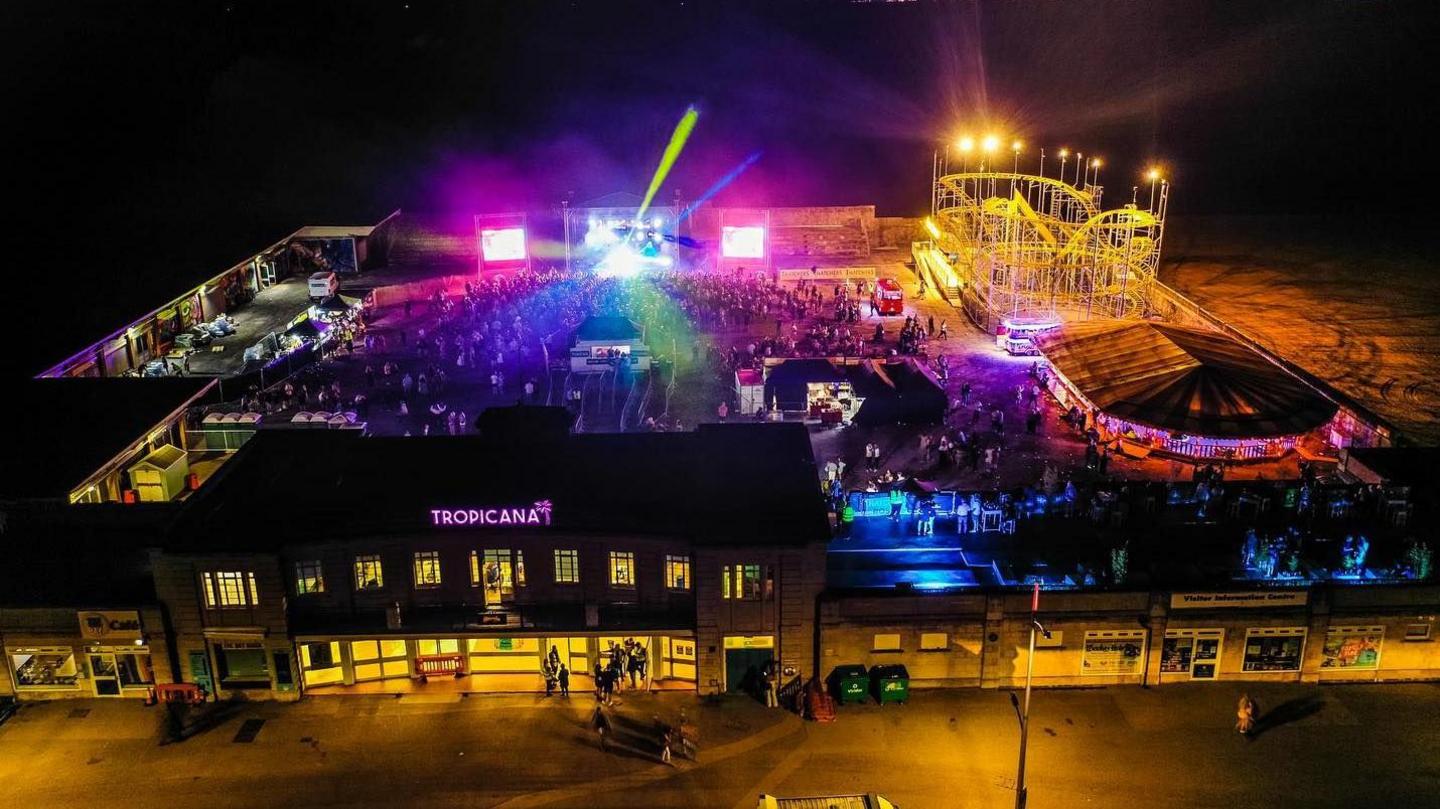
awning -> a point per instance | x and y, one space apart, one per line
248 633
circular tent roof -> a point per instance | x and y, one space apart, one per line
1182 379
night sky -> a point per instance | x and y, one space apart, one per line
147 142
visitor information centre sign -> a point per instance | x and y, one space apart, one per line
537 514
1271 598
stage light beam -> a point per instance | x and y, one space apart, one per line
672 152
718 186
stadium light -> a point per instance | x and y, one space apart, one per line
966 144
991 143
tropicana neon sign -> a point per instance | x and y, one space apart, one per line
536 514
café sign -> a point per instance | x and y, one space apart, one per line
1268 598
110 625
536 514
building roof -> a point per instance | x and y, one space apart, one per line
333 231
1182 379
753 482
62 431
607 328
896 391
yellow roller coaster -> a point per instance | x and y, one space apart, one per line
1029 246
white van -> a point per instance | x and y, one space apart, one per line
323 285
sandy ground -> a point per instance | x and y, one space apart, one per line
1352 305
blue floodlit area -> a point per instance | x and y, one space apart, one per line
927 548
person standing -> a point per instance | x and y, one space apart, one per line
564 680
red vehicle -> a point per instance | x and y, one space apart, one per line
887 298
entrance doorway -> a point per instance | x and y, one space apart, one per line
105 675
1192 653
743 668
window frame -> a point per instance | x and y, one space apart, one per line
426 571
622 561
673 563
230 589
369 562
734 578
881 643
310 566
571 557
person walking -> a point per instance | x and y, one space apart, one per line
600 722
1245 715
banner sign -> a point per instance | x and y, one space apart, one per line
110 625
1271 598
537 513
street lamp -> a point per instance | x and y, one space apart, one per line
1153 175
1020 792
1095 163
966 144
1079 161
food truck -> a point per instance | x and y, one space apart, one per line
888 299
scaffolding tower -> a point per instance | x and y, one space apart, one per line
1030 246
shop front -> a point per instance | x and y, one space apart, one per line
244 662
488 663
110 656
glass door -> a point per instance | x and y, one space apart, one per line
499 577
105 675
1207 658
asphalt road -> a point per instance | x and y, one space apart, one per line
1172 747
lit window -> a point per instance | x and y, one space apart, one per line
230 589
885 642
567 566
741 582
309 578
494 570
934 642
622 568
427 568
677 572
368 573
520 568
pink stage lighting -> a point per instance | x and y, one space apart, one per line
742 242
502 244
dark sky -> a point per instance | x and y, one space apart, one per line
147 140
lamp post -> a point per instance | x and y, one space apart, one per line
1153 175
565 223
1079 161
1020 791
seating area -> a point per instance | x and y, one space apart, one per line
841 240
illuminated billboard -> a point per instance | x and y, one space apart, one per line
502 244
742 241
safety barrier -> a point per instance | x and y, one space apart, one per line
441 664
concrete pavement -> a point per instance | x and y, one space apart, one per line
1173 747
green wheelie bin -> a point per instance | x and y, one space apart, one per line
890 683
850 683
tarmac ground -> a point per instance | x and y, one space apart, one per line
1172 746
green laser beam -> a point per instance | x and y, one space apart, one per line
667 160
